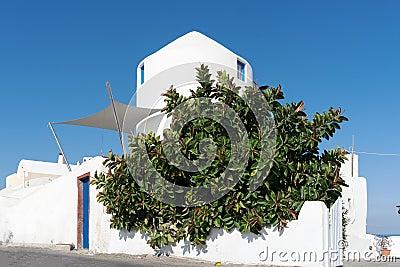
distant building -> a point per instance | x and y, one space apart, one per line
32 172
354 200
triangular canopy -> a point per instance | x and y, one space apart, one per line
128 117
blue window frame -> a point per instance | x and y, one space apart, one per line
240 70
142 74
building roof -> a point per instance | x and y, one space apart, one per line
191 47
193 39
51 168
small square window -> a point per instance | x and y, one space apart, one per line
142 74
240 70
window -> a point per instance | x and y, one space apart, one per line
240 70
142 74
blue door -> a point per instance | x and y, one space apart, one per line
85 213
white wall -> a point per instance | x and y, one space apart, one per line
308 236
336 232
175 64
346 167
355 200
13 180
48 214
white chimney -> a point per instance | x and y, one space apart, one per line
60 159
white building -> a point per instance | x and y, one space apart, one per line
176 62
32 172
175 65
354 199
56 210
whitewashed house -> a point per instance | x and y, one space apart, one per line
62 208
32 172
354 200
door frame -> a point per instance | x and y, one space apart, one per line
80 209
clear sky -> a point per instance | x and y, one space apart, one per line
55 57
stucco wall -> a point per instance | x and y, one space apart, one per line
175 64
355 201
48 215
306 237
13 180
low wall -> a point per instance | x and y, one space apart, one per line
303 243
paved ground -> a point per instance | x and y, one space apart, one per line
45 257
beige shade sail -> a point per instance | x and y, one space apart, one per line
128 117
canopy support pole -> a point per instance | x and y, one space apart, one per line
59 146
352 157
116 117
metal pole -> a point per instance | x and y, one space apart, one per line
59 146
116 117
352 158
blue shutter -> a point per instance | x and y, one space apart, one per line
142 74
240 70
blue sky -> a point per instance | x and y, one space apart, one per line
55 57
